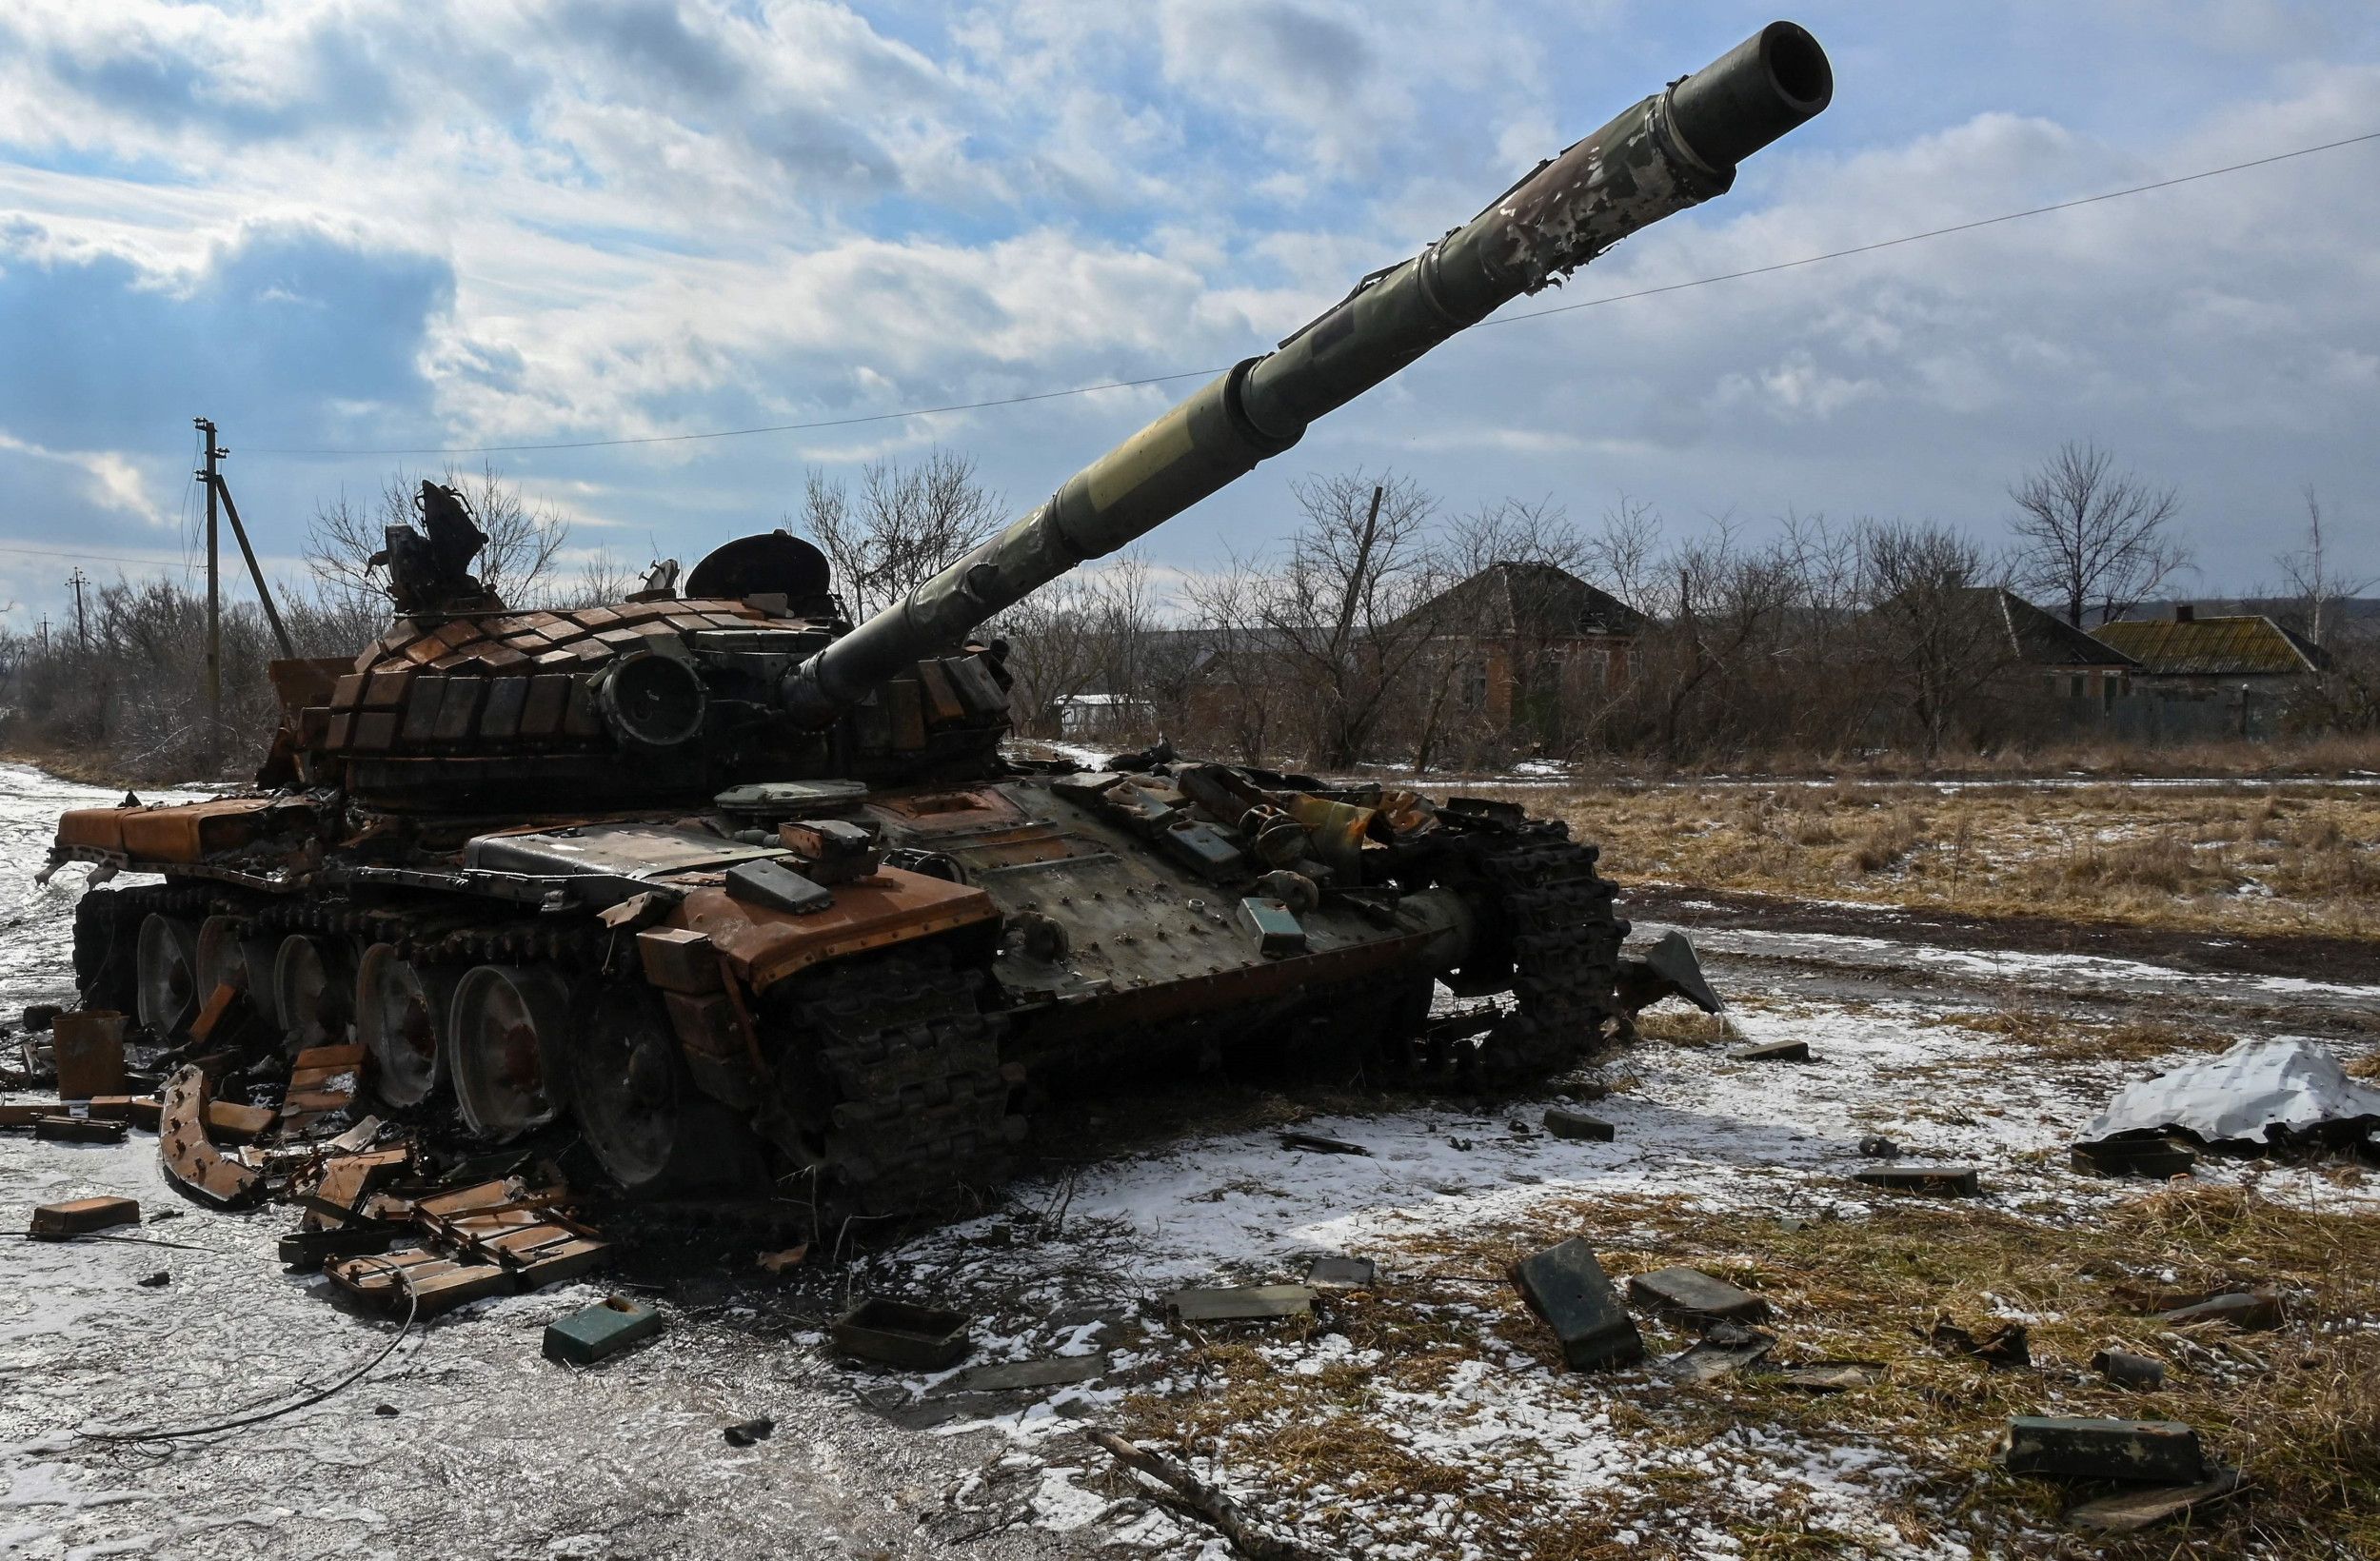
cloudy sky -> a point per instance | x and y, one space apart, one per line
360 225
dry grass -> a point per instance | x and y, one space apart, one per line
2058 1038
2297 759
2301 859
2298 1409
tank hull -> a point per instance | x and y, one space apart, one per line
879 1021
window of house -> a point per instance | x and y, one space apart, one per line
1474 684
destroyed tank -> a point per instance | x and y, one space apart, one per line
730 888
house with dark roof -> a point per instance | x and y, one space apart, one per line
2078 665
2186 648
2211 676
1527 642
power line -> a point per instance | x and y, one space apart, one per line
1202 373
96 558
1936 232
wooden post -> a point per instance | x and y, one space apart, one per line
214 606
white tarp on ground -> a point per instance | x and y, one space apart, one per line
2281 1081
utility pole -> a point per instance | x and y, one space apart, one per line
82 638
215 600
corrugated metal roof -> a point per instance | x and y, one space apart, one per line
2211 647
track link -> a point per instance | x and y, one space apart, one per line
1553 916
915 1107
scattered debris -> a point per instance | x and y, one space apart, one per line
311 1249
1567 1288
1244 1303
599 1332
1668 968
82 1215
2129 1510
923 1338
1342 1274
1691 1293
2276 1092
2008 1346
744 1433
432 1281
2251 1311
1776 1051
1013 1375
2141 1452
1830 1375
88 1048
1320 1145
1203 1500
1725 1348
2126 1370
78 1130
520 1229
1565 1123
189 1157
2140 1154
322 1089
489 1239
1934 1180
1875 1146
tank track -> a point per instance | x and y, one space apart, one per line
916 1108
1563 939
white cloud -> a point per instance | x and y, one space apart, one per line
655 218
109 480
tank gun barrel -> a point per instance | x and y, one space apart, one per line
1675 150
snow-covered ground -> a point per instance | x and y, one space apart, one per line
464 1442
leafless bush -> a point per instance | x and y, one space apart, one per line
907 524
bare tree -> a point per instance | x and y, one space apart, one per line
2092 536
1938 631
1711 664
1621 554
1237 680
1085 630
524 540
602 578
2314 579
1053 652
906 524
1349 608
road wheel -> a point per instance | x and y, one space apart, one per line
168 964
637 1107
313 992
505 1029
227 957
401 1015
